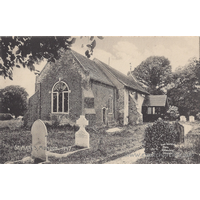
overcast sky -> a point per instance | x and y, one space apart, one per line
122 51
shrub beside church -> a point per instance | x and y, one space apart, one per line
158 134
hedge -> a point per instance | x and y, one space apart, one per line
158 134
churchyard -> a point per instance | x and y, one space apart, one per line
89 145
187 152
62 146
11 124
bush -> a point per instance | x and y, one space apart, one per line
5 116
158 134
198 115
173 113
14 99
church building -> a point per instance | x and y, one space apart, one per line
75 85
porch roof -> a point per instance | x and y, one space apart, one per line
155 100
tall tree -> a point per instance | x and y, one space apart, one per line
14 100
154 73
27 51
185 91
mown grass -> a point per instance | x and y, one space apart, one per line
16 144
12 124
13 143
186 153
104 146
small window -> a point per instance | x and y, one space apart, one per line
151 111
60 98
110 105
158 110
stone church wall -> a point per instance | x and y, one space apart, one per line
33 110
71 77
120 106
102 93
135 108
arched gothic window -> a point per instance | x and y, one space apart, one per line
60 98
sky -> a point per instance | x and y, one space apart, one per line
121 51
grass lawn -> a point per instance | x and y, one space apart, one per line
103 146
187 153
16 144
12 124
13 143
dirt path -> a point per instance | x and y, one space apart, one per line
129 159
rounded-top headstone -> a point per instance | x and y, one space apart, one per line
39 140
191 118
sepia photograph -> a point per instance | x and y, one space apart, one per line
115 115
100 99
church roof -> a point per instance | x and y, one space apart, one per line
98 72
155 100
127 81
95 73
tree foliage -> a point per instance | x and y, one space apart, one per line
172 113
185 92
154 73
14 100
30 50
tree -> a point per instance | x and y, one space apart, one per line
185 92
27 51
14 99
154 73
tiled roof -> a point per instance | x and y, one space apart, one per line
95 73
155 100
128 81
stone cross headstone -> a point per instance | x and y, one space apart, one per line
182 118
191 118
39 140
82 136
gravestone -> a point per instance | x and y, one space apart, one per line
187 128
82 136
191 118
182 118
168 150
180 132
39 141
